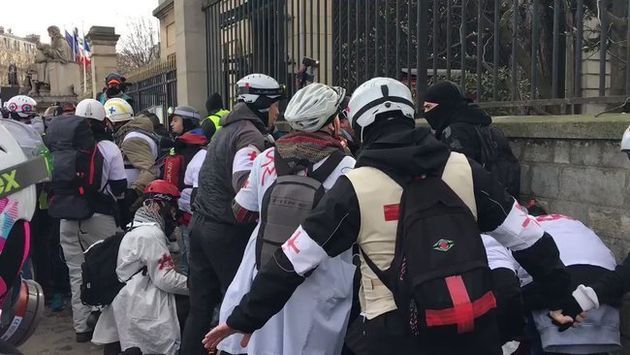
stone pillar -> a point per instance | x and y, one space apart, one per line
190 46
104 59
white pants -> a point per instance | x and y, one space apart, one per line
75 238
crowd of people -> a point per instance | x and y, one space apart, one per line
357 232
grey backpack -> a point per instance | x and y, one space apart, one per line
288 201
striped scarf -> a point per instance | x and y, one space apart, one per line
303 149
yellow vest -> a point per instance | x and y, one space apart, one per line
376 193
216 118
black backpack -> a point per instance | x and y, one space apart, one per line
439 276
497 157
288 201
100 283
77 168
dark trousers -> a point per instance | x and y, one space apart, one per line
216 251
51 271
388 334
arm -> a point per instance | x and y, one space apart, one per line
506 221
331 228
160 268
117 178
140 156
245 203
250 142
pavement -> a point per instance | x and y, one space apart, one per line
55 336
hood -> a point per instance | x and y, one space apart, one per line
472 114
411 152
139 123
242 112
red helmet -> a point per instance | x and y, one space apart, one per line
161 190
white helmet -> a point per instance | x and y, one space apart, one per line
376 96
22 105
18 144
313 106
625 142
118 110
90 108
260 90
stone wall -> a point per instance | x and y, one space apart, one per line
572 164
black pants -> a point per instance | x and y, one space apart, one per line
387 334
51 271
216 251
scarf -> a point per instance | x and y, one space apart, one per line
303 149
147 215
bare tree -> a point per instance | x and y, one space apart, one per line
139 47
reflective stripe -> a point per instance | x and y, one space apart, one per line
463 312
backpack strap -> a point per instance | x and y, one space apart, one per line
328 166
281 165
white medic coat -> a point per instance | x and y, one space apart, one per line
143 314
315 318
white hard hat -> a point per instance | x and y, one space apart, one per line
313 106
90 108
22 105
625 142
377 96
118 110
259 89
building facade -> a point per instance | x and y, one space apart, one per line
16 55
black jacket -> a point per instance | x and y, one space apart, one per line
217 182
461 134
334 226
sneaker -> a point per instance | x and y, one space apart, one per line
84 337
57 303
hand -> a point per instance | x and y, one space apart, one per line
564 321
220 332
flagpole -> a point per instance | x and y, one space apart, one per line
84 62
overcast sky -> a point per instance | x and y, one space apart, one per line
34 16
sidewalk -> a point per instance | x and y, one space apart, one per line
55 336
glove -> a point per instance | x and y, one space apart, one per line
583 299
569 308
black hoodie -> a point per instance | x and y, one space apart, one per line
461 135
334 224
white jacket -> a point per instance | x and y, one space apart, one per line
143 314
315 318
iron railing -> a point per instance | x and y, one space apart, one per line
536 55
154 85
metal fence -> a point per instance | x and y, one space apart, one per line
506 53
155 85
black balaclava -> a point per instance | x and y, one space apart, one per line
101 131
385 123
170 221
113 91
449 98
214 103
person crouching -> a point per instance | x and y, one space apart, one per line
144 310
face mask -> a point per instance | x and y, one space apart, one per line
170 219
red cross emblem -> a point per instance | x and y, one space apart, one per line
166 262
290 244
252 155
463 312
